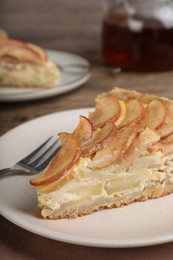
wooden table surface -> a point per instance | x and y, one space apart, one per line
73 26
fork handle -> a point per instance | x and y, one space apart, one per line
4 171
9 170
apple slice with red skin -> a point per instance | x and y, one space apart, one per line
84 129
63 161
99 140
107 109
134 113
22 51
155 114
115 149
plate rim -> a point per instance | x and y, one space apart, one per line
81 240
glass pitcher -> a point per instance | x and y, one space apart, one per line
137 35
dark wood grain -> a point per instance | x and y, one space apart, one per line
73 26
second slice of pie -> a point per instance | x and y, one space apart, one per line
25 65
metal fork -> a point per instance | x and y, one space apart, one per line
37 160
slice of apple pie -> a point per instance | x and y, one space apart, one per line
25 65
121 154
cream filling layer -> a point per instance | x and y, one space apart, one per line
29 75
91 185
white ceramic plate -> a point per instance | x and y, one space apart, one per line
71 77
139 224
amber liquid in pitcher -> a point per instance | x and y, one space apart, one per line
149 49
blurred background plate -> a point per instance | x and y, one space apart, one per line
74 71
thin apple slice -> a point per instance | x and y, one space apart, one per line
41 53
99 140
63 161
114 150
52 186
166 129
134 113
22 51
165 146
84 129
155 114
11 43
168 139
107 109
140 146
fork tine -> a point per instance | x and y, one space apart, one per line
32 154
35 162
43 165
